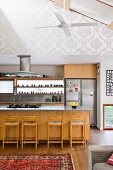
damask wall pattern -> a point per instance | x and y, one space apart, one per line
18 36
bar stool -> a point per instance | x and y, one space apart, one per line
81 122
52 122
29 121
10 121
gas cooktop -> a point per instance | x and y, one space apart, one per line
23 106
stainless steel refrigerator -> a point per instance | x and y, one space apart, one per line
85 92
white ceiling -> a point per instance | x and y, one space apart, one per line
51 46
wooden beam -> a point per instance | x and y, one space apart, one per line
59 3
87 16
110 26
106 3
63 3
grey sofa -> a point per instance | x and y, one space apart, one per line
97 157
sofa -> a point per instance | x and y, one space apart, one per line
98 155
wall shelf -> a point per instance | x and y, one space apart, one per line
39 86
40 90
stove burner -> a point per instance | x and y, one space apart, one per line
23 106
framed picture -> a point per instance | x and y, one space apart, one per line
109 82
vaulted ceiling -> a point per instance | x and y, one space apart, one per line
51 45
100 10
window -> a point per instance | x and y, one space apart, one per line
108 116
6 86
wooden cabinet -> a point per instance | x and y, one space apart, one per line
80 71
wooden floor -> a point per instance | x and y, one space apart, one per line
79 153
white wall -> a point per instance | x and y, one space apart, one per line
107 64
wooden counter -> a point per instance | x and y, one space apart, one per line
43 113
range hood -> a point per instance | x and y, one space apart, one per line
25 68
25 63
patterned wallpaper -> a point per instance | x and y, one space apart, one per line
18 36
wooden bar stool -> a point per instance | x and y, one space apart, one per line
32 122
81 122
10 121
52 122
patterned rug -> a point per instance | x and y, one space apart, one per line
37 162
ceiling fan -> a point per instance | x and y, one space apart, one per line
63 25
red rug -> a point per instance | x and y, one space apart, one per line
37 162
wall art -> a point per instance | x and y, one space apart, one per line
109 82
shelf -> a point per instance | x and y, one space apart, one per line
36 90
7 78
40 94
6 103
39 86
38 78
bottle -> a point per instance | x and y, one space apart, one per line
52 98
60 99
56 98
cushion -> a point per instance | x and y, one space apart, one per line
102 166
110 160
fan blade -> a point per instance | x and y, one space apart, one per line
45 27
67 31
60 18
83 24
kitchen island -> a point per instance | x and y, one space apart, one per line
43 112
